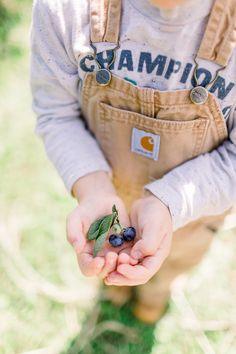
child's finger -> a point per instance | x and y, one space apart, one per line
153 264
89 265
141 273
138 272
149 265
133 261
117 279
128 275
110 264
125 258
74 232
149 243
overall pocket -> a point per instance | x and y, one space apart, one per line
179 141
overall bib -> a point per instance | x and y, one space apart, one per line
189 123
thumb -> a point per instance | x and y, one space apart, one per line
148 244
74 231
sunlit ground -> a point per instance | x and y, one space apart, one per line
43 297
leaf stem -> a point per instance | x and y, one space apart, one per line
116 218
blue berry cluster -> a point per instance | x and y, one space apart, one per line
127 234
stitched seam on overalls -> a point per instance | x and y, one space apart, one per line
209 42
114 14
198 127
120 113
210 47
132 92
89 84
97 17
218 119
225 44
105 132
146 107
136 97
124 96
85 88
200 139
226 48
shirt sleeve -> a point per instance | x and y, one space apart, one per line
203 186
70 147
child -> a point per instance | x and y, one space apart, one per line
135 103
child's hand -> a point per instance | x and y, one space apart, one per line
78 223
95 202
153 223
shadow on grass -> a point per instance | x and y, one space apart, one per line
108 329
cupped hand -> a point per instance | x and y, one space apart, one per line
78 222
153 223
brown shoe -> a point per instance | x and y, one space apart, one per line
118 295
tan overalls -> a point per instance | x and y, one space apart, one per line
188 123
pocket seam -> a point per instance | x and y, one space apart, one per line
152 122
198 126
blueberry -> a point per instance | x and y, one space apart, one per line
116 240
129 233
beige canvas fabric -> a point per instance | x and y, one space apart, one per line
186 130
104 20
220 36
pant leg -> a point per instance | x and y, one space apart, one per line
188 248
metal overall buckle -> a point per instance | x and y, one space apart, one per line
199 94
103 75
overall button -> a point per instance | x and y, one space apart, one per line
103 77
199 95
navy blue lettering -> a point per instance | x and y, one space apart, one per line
146 63
206 77
220 86
126 60
146 58
174 67
186 73
226 111
105 60
83 64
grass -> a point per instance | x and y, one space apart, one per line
46 305
115 331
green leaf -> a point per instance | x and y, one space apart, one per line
99 243
94 235
104 229
106 224
94 228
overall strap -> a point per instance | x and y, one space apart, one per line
105 20
219 39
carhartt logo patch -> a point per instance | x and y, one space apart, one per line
145 144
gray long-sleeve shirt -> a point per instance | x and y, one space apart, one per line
156 50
